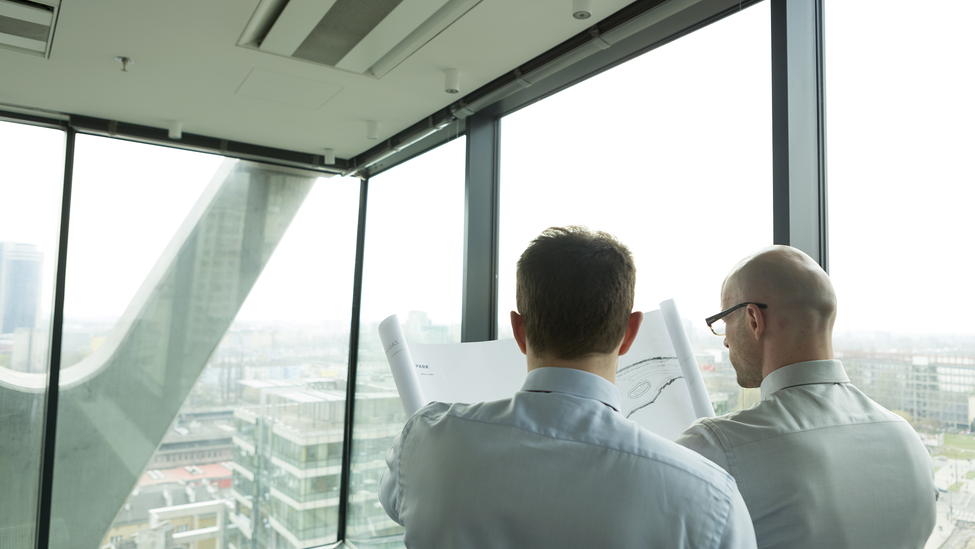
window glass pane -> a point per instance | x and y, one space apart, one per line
289 346
414 257
31 178
139 382
127 202
670 152
900 208
289 352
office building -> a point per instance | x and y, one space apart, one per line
182 513
20 286
935 389
288 462
198 437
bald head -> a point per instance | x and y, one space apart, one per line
798 323
789 279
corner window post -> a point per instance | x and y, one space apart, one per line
799 127
481 197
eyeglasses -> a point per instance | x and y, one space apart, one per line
717 324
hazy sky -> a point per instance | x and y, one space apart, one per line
671 152
675 161
900 145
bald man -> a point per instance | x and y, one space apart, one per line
818 463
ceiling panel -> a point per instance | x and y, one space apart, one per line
188 68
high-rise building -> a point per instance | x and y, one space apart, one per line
288 463
20 286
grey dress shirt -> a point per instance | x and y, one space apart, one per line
555 466
820 465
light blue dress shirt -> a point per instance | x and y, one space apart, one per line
555 466
821 465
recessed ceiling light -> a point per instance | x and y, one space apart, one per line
582 9
451 81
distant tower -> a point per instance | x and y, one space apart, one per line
20 286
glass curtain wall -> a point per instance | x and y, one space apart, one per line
901 191
413 268
128 202
201 381
31 179
288 350
671 153
195 314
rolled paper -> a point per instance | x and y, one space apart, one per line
688 364
401 364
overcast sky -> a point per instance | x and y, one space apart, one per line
671 152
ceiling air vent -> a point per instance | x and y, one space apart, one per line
367 37
28 27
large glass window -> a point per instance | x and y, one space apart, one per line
31 165
413 268
290 348
900 207
670 152
117 394
176 384
265 421
128 201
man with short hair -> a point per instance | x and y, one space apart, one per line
557 465
818 463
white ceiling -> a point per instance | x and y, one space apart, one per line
188 68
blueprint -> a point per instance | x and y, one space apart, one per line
653 389
660 385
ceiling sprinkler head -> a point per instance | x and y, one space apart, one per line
125 61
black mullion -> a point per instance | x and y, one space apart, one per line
353 362
32 119
781 223
479 309
799 128
821 137
43 537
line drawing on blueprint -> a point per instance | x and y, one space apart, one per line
641 383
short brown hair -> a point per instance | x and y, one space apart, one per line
575 292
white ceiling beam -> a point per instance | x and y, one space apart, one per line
25 13
399 24
295 23
21 42
445 16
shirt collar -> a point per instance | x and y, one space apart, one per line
804 373
573 382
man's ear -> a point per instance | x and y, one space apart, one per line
756 321
632 328
518 328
